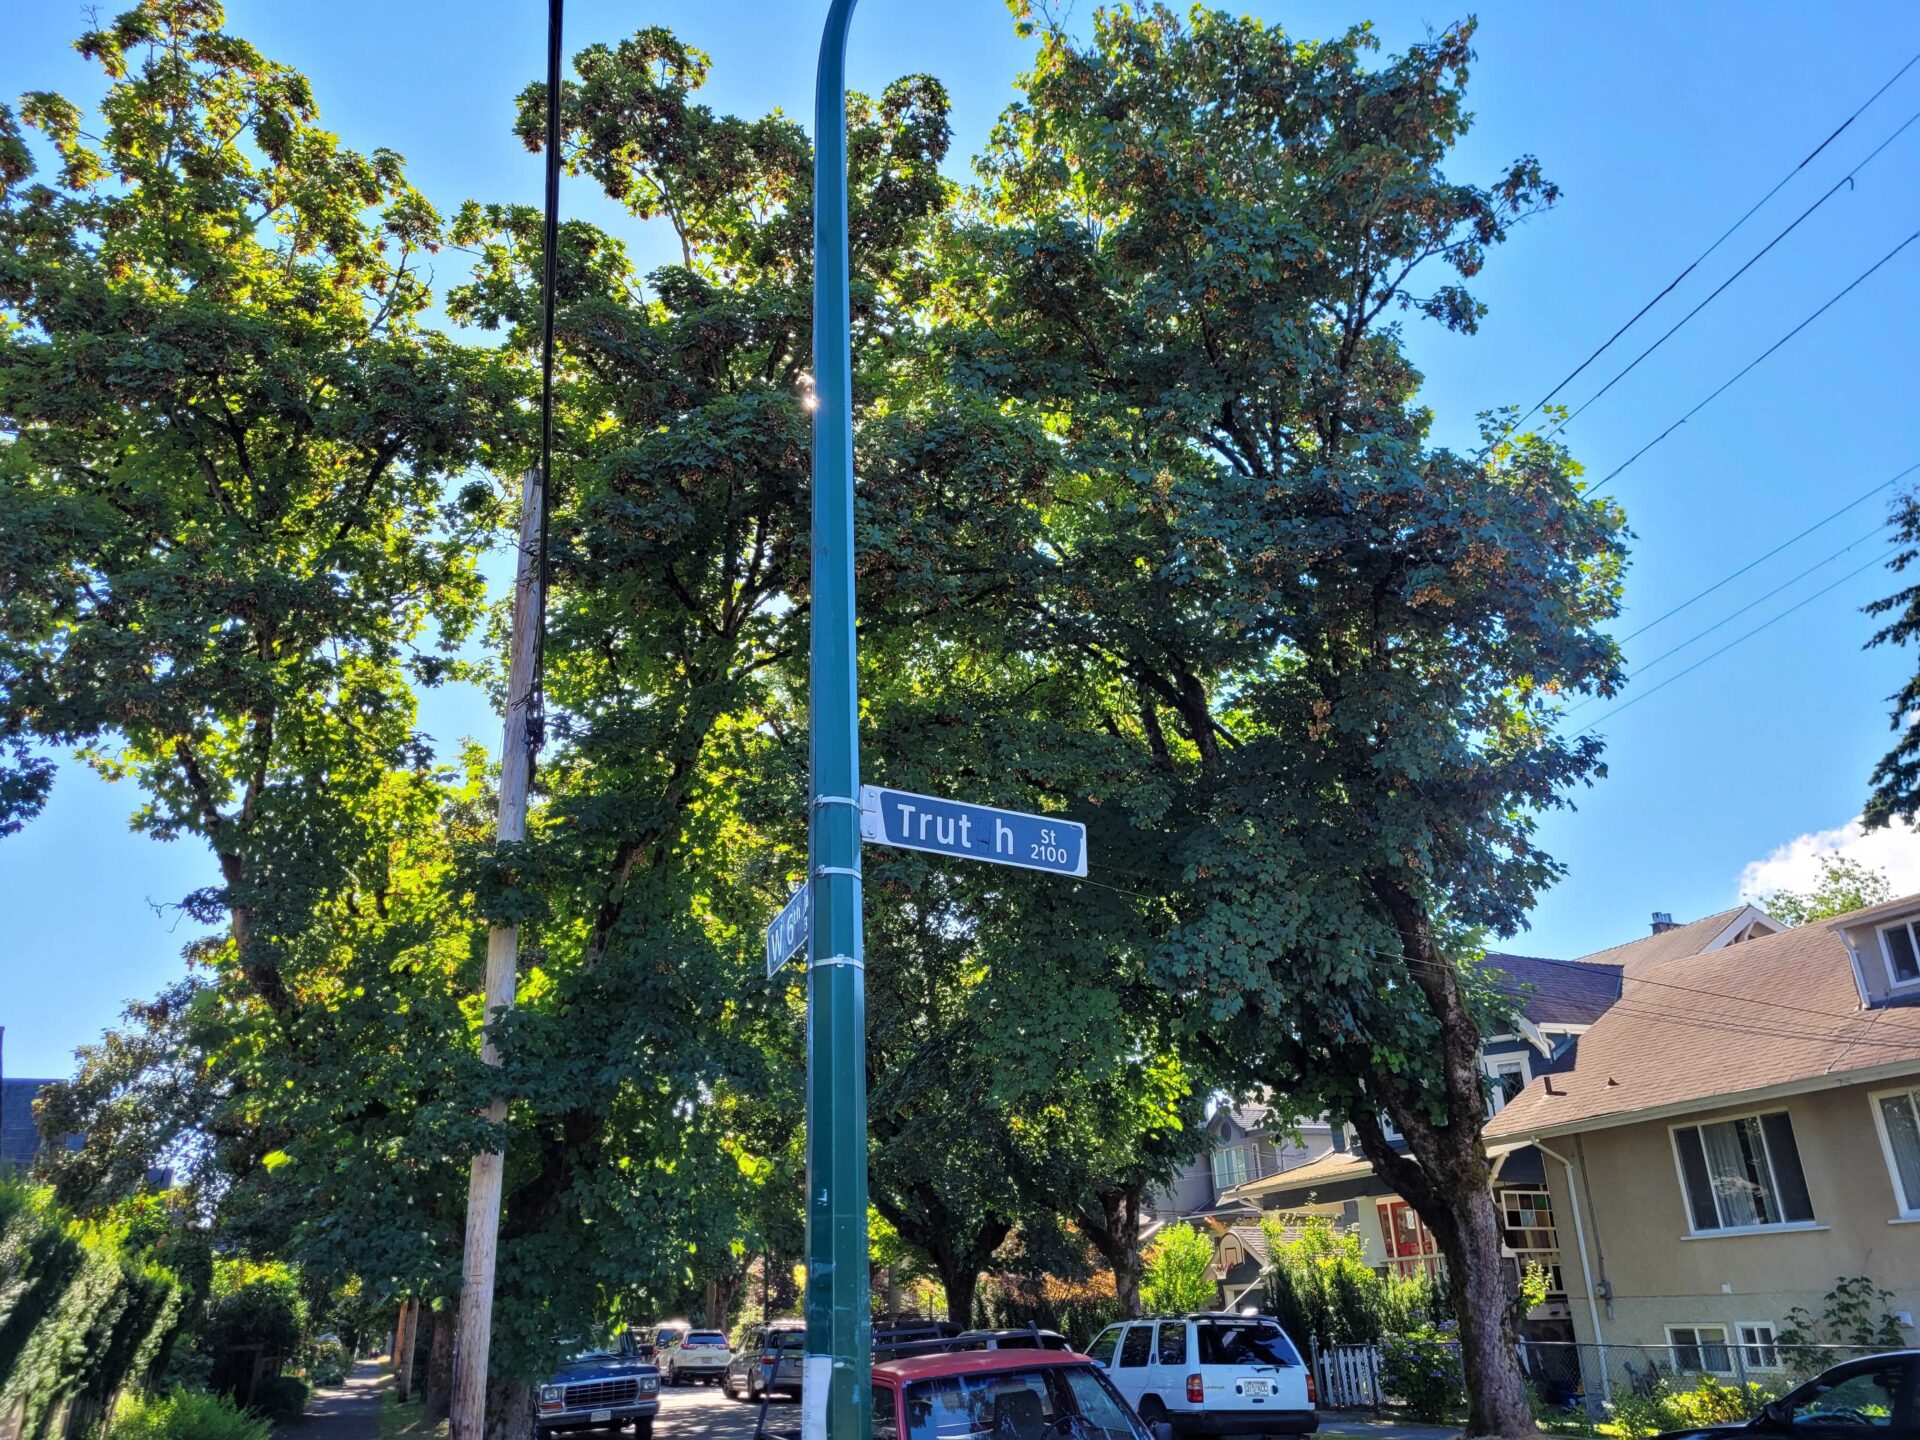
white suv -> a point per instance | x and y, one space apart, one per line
694 1356
1210 1374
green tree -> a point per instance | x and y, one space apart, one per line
1844 884
1894 787
1335 650
1179 1271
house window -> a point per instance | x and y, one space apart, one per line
1509 1079
1700 1349
1898 1115
1527 1233
1900 947
1230 1167
1757 1348
1742 1174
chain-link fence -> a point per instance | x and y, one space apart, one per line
1569 1375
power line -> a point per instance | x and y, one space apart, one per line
1744 370
1699 635
1783 545
1765 624
1694 264
1721 288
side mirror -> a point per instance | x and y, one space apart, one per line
1776 1415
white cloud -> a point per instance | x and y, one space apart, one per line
1894 850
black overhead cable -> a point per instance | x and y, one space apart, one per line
1790 541
1633 364
550 259
1744 370
1693 264
1727 619
1763 625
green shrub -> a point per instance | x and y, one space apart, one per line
89 1312
254 1311
1319 1284
185 1415
1422 1370
327 1362
1178 1275
1710 1402
281 1398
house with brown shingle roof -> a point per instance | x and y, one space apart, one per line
1737 1133
1558 1003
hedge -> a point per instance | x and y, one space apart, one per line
83 1315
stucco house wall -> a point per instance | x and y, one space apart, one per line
1635 1215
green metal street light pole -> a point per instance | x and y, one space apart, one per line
837 1401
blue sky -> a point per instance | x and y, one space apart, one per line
1662 123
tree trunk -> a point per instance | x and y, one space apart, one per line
961 1282
1111 1222
509 1410
1451 1185
436 1398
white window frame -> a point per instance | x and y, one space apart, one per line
1725 1342
1907 1205
1886 953
1773 1179
1497 1096
1223 1167
1749 1348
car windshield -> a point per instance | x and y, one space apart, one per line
1069 1400
578 1351
1245 1342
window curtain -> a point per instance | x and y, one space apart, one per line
1736 1158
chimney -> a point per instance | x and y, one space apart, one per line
1663 922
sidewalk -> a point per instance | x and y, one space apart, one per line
349 1411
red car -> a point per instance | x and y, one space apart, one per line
999 1395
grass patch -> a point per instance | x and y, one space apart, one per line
404 1420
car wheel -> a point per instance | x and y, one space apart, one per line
643 1429
1154 1416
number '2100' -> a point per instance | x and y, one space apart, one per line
1050 850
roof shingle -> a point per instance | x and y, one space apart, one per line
1776 1010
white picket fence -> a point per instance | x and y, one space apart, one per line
1346 1377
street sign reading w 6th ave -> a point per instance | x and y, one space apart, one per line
972 832
787 935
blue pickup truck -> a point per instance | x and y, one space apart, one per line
599 1387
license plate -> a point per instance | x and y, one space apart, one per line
1256 1387
600 1417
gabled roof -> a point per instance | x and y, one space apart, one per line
1252 1239
1560 992
1776 1014
1327 1170
1682 942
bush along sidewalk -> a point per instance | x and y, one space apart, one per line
84 1315
186 1415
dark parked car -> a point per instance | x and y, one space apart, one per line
1868 1399
601 1386
779 1346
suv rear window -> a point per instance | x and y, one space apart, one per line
706 1337
1254 1342
785 1340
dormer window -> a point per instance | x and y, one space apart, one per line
1900 947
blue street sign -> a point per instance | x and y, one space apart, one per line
972 832
787 935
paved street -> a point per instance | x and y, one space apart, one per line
702 1412
348 1411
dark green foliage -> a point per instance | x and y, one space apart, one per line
283 1398
1895 783
84 1312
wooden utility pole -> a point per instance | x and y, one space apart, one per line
475 1326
